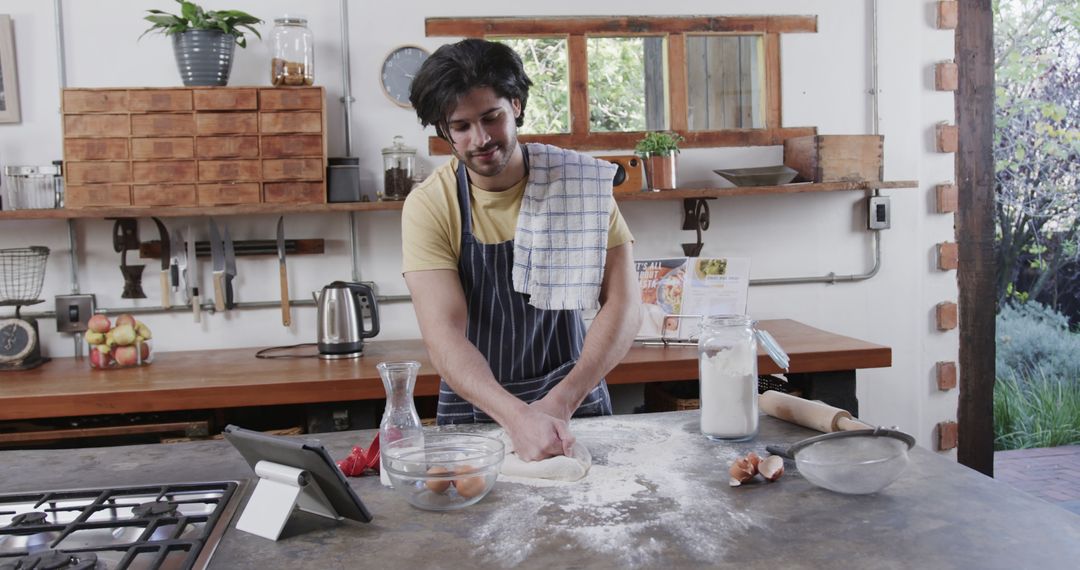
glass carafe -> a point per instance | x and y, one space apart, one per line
400 419
727 361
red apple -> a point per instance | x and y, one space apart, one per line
144 351
99 359
123 334
125 319
127 356
99 324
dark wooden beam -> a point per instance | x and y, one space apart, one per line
975 232
612 25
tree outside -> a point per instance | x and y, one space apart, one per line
1037 184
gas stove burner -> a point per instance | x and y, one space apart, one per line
55 560
174 526
28 519
155 509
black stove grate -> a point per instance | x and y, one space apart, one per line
130 528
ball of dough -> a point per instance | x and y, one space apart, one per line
438 485
468 487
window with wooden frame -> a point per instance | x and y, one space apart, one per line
713 79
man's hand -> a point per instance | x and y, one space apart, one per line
537 435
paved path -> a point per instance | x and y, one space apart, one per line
1050 473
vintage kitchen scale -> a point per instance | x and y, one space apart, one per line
22 272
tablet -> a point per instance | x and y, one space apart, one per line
299 453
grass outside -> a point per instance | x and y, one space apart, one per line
1037 392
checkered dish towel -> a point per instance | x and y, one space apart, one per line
561 240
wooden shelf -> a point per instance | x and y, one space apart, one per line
255 209
685 193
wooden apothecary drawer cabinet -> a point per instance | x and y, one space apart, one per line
201 146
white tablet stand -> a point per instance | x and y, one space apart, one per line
280 491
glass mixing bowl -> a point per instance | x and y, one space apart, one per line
443 471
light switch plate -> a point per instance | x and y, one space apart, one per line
879 214
73 312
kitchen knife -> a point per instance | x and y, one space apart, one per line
179 262
217 254
230 270
193 276
166 260
286 316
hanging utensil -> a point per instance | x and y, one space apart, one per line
178 265
166 261
230 270
193 276
217 255
125 237
286 315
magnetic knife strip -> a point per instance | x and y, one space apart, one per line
152 249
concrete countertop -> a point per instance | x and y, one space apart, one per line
657 496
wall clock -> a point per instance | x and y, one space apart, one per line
398 70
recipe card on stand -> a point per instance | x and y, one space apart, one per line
689 286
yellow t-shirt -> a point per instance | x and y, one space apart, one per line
431 220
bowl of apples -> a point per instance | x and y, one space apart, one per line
120 344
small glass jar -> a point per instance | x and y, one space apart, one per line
398 164
727 368
293 62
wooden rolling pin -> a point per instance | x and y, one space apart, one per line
808 413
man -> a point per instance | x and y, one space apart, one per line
483 239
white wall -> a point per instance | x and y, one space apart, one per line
826 77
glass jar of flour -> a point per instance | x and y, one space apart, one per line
727 367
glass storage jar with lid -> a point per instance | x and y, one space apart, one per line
399 162
727 368
293 62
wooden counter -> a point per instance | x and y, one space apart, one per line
207 379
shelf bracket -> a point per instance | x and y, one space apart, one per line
695 217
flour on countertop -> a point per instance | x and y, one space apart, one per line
633 506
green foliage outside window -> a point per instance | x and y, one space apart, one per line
616 84
546 63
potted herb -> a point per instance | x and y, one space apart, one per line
203 40
658 151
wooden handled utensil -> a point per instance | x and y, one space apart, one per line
808 413
286 317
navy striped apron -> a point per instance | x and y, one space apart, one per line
529 350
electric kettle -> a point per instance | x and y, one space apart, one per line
341 319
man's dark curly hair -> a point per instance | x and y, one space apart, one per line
455 69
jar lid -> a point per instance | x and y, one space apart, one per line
288 20
728 321
399 147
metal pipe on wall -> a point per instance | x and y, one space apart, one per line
208 307
61 80
873 91
346 103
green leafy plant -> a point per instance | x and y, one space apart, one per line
657 143
194 17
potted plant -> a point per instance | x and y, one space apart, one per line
203 40
658 150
